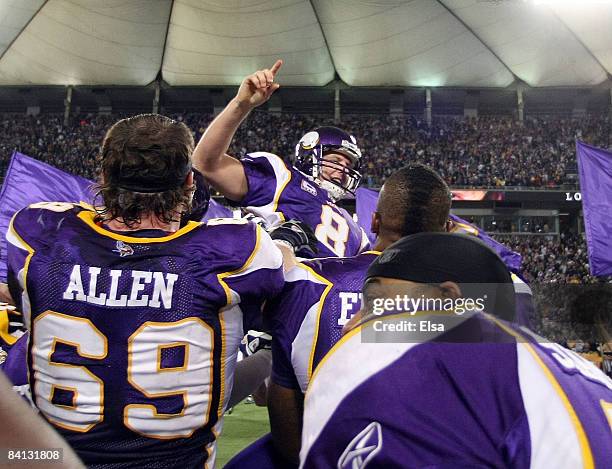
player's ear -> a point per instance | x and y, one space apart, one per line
448 227
450 290
189 179
375 223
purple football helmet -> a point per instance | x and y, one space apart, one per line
314 145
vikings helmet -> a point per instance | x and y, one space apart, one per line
314 145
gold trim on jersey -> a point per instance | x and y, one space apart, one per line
280 191
221 276
76 345
328 286
183 367
332 350
468 228
89 219
222 368
4 328
75 394
182 393
607 408
587 456
26 264
228 299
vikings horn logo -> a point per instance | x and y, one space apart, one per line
310 140
123 249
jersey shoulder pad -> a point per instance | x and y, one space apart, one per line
39 223
235 239
265 156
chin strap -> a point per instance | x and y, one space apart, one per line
335 192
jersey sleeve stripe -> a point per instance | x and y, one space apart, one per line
22 272
303 341
522 347
222 276
519 285
328 287
283 176
326 391
15 239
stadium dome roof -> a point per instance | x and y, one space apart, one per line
462 43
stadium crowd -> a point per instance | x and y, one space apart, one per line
557 270
474 152
552 259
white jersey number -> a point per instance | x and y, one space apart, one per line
190 339
333 231
52 378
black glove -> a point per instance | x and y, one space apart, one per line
254 341
298 235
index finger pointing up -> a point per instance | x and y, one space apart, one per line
277 65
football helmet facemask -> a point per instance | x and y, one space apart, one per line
310 159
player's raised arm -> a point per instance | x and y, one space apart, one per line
224 172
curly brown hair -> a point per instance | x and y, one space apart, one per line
144 162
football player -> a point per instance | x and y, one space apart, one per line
481 393
135 321
321 295
326 169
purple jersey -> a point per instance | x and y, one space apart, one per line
13 359
511 400
319 298
134 338
278 192
14 364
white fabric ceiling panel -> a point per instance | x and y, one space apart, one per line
405 43
532 41
593 26
89 42
220 42
458 43
14 15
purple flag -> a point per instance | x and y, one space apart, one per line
595 171
366 204
28 181
216 210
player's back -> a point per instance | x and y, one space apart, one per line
278 192
134 338
519 401
318 299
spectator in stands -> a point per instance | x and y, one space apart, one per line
485 151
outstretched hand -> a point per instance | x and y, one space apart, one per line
257 88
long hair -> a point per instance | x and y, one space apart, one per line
144 161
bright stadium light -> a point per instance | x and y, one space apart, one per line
571 2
